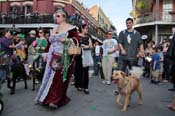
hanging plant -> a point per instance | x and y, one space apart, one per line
135 14
131 13
140 5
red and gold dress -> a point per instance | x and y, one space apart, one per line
54 88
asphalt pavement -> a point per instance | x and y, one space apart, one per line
100 101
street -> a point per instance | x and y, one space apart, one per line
100 101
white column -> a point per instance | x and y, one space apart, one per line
156 33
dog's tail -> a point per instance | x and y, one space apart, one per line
137 71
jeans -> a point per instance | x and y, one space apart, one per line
38 62
97 60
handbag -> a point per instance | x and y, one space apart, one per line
87 58
56 61
74 49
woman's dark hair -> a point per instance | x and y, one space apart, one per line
5 31
82 27
42 29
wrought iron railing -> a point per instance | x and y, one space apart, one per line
149 17
21 19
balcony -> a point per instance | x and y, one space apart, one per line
149 17
144 19
21 19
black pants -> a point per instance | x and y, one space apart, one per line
85 78
167 68
147 70
78 71
128 63
81 74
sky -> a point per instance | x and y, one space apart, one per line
117 10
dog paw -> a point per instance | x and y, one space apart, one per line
123 110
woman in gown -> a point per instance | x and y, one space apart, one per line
54 86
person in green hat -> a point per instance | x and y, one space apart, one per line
20 47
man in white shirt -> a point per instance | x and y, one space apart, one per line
110 46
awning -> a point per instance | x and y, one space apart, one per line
15 4
30 3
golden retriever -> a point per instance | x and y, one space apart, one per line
126 86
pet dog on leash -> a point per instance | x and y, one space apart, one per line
37 75
17 70
127 85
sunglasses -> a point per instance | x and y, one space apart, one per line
40 32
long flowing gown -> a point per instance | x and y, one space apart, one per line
53 89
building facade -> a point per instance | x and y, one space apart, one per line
39 13
104 24
154 18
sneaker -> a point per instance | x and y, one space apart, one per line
72 83
86 91
79 89
36 81
104 82
108 82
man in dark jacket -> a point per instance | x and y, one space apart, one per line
170 55
6 43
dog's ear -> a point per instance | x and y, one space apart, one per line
123 74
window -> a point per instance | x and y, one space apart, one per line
167 7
